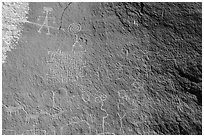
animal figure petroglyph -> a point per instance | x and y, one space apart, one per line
8 132
31 117
12 109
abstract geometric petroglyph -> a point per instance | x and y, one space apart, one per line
103 68
74 28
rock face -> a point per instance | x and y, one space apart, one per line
12 12
124 69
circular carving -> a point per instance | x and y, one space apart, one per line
74 28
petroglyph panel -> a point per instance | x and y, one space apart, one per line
102 68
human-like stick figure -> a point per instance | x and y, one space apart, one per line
45 23
77 47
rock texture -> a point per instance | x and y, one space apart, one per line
137 70
12 12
